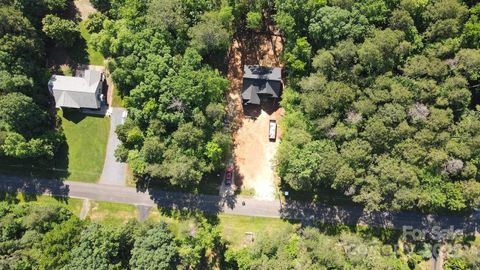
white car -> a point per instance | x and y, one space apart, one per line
272 130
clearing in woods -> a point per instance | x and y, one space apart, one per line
253 153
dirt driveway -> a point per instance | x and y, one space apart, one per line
84 7
253 152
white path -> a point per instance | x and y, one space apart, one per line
85 209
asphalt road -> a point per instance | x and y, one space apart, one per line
113 171
237 205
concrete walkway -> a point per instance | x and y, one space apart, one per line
113 171
85 209
308 213
143 212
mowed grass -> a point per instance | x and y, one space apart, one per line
72 204
114 214
116 98
94 57
87 142
235 228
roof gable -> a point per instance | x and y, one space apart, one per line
87 82
261 80
76 92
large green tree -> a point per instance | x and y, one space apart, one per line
65 32
155 250
391 103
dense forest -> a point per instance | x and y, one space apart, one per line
43 236
27 122
381 105
382 101
175 101
381 95
38 236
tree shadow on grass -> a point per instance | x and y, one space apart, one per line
31 188
184 203
172 199
56 168
33 177
60 166
79 51
72 57
183 214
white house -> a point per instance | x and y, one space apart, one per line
83 91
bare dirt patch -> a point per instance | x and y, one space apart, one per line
84 8
253 152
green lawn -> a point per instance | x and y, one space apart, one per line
72 204
66 70
174 224
87 142
94 57
130 178
112 213
248 192
234 228
116 98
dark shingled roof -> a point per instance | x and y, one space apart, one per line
259 80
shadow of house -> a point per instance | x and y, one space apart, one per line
268 105
73 115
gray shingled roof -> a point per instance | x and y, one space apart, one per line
261 80
76 92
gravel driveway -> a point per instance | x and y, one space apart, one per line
113 171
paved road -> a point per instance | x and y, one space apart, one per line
306 212
113 171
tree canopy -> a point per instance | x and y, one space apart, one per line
27 129
155 250
385 108
174 131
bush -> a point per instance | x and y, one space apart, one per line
254 20
94 22
101 5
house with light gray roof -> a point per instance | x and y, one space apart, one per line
82 91
261 82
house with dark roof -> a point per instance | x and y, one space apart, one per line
82 91
261 82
